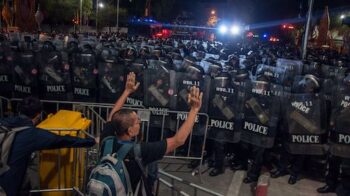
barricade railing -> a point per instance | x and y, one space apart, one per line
74 169
197 189
98 114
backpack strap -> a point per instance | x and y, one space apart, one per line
12 130
108 145
123 151
121 154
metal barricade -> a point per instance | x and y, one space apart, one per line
197 190
77 166
98 114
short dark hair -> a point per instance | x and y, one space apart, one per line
30 107
121 121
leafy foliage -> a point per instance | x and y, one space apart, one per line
63 11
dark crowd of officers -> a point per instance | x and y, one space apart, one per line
266 107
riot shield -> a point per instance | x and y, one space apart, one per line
313 68
334 73
25 75
7 58
340 123
137 66
84 75
178 101
293 68
260 113
111 77
157 93
305 115
275 75
223 110
54 76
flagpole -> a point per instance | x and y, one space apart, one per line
307 29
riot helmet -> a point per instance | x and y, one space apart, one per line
194 71
188 62
241 75
137 65
223 79
130 53
48 46
144 51
309 84
166 62
157 51
262 82
213 67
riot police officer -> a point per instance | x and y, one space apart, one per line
304 115
223 112
339 155
258 122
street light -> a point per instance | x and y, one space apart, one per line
118 13
235 30
101 5
342 16
223 29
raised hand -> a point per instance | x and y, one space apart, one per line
195 98
131 84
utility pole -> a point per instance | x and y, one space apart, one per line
117 15
148 8
96 15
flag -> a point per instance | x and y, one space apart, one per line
324 29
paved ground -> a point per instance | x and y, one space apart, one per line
230 183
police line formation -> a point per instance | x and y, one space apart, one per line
252 91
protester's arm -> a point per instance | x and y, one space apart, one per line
48 140
195 101
130 87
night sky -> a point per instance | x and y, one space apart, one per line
257 11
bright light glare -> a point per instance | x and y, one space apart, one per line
223 29
101 5
342 16
213 12
235 30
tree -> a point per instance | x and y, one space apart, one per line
107 16
63 11
87 11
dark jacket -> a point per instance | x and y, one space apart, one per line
25 143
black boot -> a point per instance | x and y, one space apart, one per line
193 164
216 172
278 173
237 166
249 180
326 189
293 179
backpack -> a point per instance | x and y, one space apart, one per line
7 135
110 177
